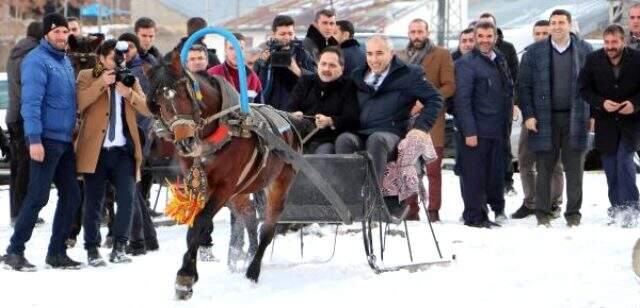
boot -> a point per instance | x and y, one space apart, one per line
434 216
18 262
94 258
118 254
522 212
62 261
414 209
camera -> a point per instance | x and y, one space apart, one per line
123 74
280 53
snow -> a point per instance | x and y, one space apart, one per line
519 265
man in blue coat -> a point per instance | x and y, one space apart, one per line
49 113
483 102
387 89
556 117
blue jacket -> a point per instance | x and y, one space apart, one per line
48 95
534 94
484 95
354 56
144 123
388 108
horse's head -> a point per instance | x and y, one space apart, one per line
180 101
81 51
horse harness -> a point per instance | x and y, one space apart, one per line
264 121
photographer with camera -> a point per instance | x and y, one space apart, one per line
282 63
108 145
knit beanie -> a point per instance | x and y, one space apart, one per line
52 21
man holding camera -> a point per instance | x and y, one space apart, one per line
49 112
282 64
108 145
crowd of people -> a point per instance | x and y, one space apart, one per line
95 126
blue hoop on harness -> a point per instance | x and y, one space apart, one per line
244 97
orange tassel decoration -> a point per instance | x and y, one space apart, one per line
184 204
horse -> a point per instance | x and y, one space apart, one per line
188 116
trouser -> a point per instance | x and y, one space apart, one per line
481 171
526 164
142 228
317 147
116 166
59 167
434 174
621 176
508 156
19 168
572 161
379 145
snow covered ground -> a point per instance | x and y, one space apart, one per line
519 265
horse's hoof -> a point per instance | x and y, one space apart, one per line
253 274
184 287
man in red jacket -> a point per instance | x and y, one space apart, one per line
229 68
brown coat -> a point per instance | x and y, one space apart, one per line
93 106
438 68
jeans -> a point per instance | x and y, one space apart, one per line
59 167
621 176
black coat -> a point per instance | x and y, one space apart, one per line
336 99
387 109
353 56
597 83
315 42
511 55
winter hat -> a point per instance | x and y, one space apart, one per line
130 37
52 21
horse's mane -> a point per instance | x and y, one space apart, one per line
162 75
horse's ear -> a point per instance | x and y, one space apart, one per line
176 66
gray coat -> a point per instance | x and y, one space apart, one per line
16 56
534 94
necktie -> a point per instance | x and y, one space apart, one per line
376 79
112 115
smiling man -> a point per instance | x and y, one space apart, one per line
483 99
556 117
613 91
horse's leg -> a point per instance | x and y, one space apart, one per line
277 193
251 222
188 275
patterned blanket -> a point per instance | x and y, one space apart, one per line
401 176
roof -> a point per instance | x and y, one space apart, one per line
367 15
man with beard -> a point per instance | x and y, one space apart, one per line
75 28
466 43
329 98
609 83
320 33
527 158
556 117
509 52
438 68
353 54
483 99
49 113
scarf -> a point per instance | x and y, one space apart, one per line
417 55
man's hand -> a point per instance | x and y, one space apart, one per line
298 115
323 121
108 77
419 134
591 126
265 54
471 141
516 112
293 67
123 90
611 106
36 151
531 124
627 108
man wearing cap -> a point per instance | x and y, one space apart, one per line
49 112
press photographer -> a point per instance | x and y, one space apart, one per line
282 63
108 146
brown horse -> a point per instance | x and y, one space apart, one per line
173 101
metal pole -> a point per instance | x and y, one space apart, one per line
66 8
99 2
442 20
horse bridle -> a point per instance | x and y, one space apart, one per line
195 97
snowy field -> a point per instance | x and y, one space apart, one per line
519 265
